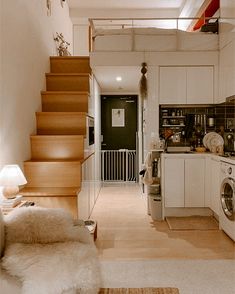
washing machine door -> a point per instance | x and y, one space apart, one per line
227 196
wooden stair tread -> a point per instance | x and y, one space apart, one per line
50 191
59 173
68 81
49 74
65 102
40 137
65 92
69 57
61 113
67 64
47 160
61 123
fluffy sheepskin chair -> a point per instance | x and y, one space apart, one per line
48 253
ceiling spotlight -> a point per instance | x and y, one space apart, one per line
118 79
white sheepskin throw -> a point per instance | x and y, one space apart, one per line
41 225
69 267
47 252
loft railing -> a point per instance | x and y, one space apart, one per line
183 23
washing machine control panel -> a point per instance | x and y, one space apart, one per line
228 170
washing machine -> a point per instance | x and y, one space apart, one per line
227 199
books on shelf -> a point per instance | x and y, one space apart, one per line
11 202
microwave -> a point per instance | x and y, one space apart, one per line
91 129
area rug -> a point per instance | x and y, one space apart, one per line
195 222
139 291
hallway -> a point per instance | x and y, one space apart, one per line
125 231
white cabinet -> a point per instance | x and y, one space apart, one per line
194 182
86 197
186 85
227 72
172 88
200 85
184 182
215 185
174 182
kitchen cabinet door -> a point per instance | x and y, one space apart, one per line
195 182
172 87
174 182
91 160
200 85
215 186
83 196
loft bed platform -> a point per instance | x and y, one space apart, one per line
152 39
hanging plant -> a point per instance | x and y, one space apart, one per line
143 82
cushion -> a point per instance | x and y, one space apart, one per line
2 234
39 225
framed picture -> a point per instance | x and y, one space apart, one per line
118 117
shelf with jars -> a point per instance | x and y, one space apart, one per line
171 118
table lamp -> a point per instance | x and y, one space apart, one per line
11 177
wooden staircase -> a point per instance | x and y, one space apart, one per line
57 150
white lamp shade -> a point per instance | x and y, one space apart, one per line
11 175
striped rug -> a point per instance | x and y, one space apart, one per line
139 291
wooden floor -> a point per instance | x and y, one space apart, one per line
125 231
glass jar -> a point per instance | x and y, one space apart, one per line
164 112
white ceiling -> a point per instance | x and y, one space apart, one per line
125 4
106 75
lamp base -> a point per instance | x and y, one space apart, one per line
10 191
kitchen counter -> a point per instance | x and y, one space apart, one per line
194 154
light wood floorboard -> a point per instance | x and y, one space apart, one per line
125 231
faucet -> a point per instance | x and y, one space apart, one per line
175 138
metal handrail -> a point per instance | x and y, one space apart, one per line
177 19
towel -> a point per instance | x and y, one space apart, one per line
148 177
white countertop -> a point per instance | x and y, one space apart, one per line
200 154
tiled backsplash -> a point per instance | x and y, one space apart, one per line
223 116
225 123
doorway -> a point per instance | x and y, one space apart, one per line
119 137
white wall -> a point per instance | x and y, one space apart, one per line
26 44
81 39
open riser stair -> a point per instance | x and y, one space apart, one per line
57 149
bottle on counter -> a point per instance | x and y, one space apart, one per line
211 121
155 168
